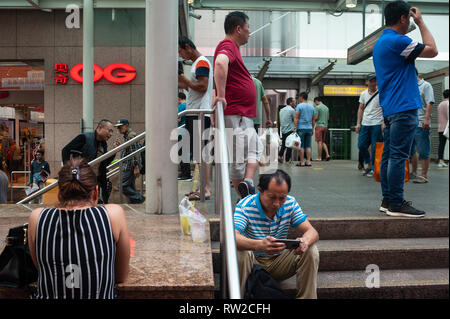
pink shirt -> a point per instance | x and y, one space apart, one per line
442 116
240 91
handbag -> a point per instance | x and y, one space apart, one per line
16 265
377 163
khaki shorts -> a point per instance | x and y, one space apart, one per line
243 144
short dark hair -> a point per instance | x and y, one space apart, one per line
445 93
40 152
103 123
289 100
303 95
394 11
318 99
183 41
181 95
234 19
280 176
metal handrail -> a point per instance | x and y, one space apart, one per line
230 270
93 162
126 157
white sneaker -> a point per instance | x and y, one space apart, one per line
442 165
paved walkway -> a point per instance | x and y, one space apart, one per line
338 189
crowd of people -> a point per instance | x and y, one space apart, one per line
265 213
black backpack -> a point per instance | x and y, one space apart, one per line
260 285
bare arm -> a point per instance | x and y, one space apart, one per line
220 78
297 116
430 50
200 86
122 239
32 224
427 120
266 104
359 117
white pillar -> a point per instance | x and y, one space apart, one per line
161 53
88 66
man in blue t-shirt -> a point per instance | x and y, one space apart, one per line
303 124
393 57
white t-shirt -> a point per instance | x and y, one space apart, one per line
195 99
373 113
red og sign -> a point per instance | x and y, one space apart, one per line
125 73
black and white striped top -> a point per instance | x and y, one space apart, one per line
75 251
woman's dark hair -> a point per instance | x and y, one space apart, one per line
280 176
183 41
234 19
394 11
76 181
445 93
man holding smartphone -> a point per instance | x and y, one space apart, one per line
394 55
261 220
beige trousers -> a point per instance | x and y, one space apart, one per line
284 266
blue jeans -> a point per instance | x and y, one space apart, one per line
398 139
369 136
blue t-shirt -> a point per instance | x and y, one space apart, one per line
393 58
306 116
181 108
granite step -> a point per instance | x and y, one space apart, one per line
367 228
393 284
356 254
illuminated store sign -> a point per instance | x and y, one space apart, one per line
115 73
342 90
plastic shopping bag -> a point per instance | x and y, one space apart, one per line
293 141
377 163
270 141
192 222
186 209
197 222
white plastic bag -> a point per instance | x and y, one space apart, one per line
197 222
293 141
186 209
270 141
191 221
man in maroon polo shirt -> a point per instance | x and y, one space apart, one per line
236 90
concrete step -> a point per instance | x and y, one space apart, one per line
394 284
356 254
367 228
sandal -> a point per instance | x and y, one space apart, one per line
196 196
317 160
420 180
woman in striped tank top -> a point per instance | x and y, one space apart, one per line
81 250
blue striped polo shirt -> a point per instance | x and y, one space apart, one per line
251 221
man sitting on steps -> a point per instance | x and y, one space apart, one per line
260 219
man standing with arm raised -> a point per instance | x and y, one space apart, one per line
393 57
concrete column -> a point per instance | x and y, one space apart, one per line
161 54
88 65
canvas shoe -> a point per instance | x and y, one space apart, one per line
246 187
